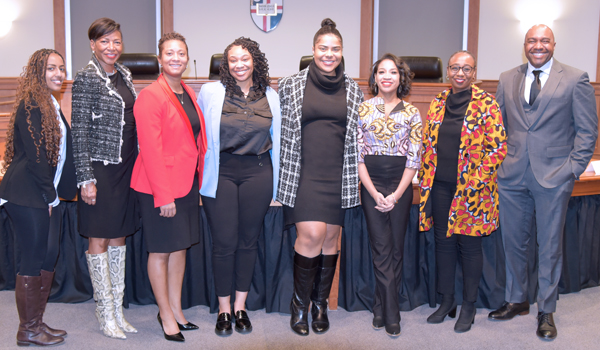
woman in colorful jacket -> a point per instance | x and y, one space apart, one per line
459 193
241 170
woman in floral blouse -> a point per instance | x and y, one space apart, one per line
459 193
389 145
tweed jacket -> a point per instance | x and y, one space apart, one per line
97 118
291 97
474 209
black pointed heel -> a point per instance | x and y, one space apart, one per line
171 337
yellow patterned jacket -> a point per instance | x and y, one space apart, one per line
474 209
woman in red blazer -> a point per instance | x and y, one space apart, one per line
167 176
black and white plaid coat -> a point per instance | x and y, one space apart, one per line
97 118
291 96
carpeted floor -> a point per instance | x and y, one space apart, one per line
578 322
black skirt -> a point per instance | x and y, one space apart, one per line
167 235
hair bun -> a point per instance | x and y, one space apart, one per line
328 22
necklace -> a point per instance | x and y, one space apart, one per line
180 98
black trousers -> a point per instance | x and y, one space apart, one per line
386 233
235 218
447 248
37 236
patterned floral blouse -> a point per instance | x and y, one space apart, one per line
474 209
398 135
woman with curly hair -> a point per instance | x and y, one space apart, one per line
167 177
389 150
241 171
459 191
104 142
38 166
319 170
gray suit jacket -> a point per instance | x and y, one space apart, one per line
558 136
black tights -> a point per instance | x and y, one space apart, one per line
446 248
37 236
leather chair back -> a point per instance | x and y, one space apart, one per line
427 69
143 66
215 65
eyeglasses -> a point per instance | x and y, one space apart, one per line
466 69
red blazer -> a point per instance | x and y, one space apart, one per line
169 156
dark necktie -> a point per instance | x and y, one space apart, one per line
536 87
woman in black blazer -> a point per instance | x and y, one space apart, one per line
38 166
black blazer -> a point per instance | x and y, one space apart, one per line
29 182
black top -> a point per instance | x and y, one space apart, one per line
190 110
246 123
449 136
29 182
128 147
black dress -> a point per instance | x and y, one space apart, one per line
113 215
324 114
167 235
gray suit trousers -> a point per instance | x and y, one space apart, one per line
518 205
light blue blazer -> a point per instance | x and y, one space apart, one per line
210 100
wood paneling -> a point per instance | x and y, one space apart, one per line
366 38
598 59
166 16
59 27
473 35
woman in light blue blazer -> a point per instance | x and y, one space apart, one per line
241 172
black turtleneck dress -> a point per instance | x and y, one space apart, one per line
324 113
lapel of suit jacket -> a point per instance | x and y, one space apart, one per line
518 85
171 96
547 92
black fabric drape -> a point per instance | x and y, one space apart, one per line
272 283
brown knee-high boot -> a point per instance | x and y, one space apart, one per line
47 278
27 295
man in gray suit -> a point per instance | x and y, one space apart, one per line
549 111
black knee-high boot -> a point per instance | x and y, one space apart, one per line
305 270
320 292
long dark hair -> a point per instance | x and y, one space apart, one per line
33 92
260 74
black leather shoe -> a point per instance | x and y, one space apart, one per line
171 337
466 317
546 327
447 308
187 327
242 322
378 322
510 310
223 327
392 329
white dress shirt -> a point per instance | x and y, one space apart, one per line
529 77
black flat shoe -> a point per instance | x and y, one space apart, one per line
378 322
171 337
223 326
242 322
187 327
392 329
